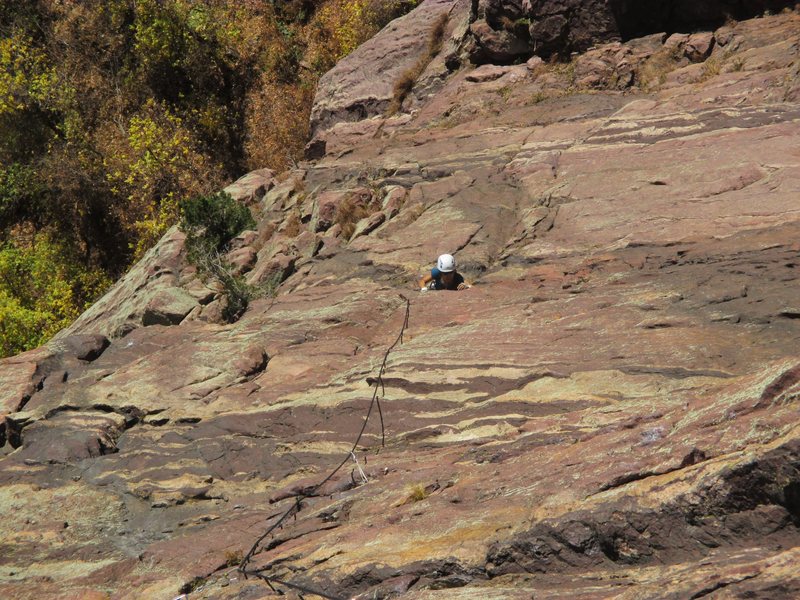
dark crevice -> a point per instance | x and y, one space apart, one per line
637 18
673 372
13 433
12 428
382 581
60 409
630 478
791 495
27 397
557 29
692 458
23 401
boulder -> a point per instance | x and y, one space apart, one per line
168 307
120 310
252 187
565 26
724 35
280 197
497 12
203 292
609 66
328 203
368 224
87 346
213 312
393 200
676 41
486 73
248 237
497 45
306 245
534 63
242 259
698 46
362 84
277 268
325 209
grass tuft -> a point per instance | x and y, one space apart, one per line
711 68
405 83
349 212
233 557
653 72
418 493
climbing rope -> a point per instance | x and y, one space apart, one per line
312 491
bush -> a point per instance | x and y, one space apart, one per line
238 293
653 72
418 493
210 222
349 213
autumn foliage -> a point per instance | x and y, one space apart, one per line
112 112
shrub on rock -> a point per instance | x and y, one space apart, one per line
210 222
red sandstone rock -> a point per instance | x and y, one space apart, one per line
497 45
361 85
251 188
277 268
699 46
368 224
167 307
610 410
243 259
246 238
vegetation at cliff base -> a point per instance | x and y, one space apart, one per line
113 112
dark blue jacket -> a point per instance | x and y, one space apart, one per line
438 284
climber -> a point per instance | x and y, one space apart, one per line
443 276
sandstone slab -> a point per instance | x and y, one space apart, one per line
609 412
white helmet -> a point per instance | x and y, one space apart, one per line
446 263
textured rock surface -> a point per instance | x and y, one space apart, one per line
610 412
500 31
362 84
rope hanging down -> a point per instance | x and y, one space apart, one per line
312 491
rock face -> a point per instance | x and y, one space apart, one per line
363 85
610 411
